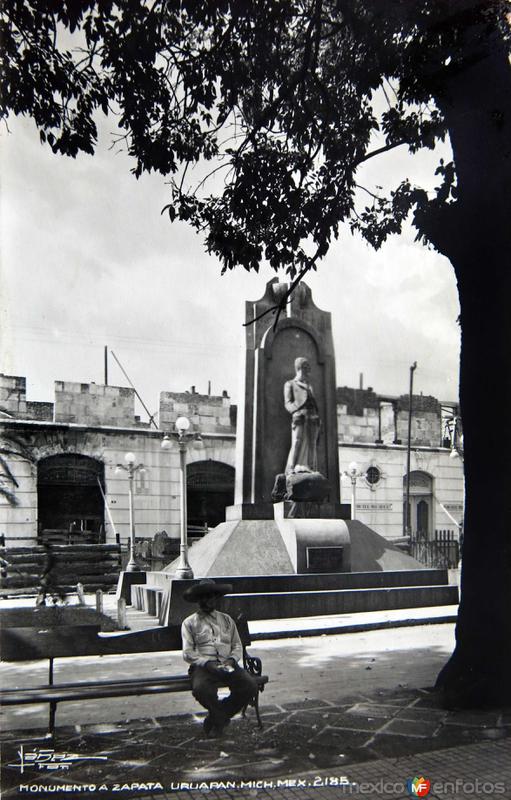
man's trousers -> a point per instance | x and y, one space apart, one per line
205 685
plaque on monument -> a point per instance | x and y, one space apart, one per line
325 559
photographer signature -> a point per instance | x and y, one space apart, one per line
46 759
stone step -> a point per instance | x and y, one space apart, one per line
271 596
283 605
316 581
342 612
283 596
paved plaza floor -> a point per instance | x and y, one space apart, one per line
385 735
343 715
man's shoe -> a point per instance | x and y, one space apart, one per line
214 728
208 725
221 726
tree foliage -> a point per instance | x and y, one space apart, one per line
279 94
262 113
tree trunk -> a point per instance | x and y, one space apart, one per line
475 234
478 672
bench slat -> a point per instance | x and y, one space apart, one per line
57 694
90 691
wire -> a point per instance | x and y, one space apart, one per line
151 416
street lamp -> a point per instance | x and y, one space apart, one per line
131 469
183 569
456 438
353 473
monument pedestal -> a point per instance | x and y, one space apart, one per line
248 546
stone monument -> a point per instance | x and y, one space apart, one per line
286 518
288 545
287 412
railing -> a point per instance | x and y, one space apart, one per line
441 552
63 536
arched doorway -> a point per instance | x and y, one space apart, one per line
210 488
421 504
69 499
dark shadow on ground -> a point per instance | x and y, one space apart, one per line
297 737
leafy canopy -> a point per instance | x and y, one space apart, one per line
278 95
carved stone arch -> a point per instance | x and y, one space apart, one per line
421 482
271 334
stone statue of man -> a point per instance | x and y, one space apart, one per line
305 425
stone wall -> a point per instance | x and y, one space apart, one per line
98 405
426 420
94 404
14 403
359 420
13 396
207 413
357 428
41 411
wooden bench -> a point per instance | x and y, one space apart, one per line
65 641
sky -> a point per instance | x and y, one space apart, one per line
88 261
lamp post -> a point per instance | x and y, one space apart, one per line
131 469
353 473
183 569
406 515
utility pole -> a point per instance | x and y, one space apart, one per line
406 515
106 365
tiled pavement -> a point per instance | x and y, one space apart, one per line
372 742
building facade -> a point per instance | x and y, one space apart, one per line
59 462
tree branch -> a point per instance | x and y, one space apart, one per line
385 149
359 186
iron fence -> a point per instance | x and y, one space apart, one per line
441 552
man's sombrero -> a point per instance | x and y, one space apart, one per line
205 587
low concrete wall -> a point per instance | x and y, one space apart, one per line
256 588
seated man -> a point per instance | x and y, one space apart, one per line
212 647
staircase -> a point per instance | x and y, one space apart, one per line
265 597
